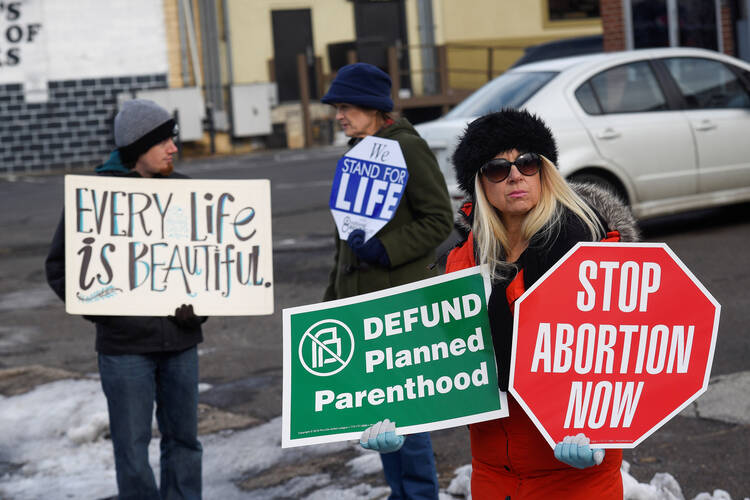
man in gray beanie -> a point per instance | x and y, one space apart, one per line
143 360
139 127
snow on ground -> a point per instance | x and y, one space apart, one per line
53 445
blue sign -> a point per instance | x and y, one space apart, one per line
369 183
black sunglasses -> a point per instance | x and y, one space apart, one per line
498 169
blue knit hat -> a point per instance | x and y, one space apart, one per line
363 85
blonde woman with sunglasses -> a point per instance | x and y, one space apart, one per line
520 218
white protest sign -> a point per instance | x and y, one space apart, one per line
142 247
369 183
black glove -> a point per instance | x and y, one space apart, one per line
184 317
372 251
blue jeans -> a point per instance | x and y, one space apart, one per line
410 471
132 382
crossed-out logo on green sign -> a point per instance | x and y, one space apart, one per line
326 347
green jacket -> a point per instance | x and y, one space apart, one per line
422 221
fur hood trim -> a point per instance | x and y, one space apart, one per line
616 214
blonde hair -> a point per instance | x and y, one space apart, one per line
544 221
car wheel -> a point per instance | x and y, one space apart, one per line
602 182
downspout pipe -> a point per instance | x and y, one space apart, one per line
427 43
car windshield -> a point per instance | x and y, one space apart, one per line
509 90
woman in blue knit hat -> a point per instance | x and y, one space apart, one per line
402 251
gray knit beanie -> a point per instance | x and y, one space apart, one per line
139 125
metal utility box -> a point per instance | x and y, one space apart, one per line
251 109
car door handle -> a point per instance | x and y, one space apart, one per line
704 125
608 133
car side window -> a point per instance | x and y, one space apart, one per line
587 99
707 84
629 88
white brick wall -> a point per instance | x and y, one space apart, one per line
82 39
59 90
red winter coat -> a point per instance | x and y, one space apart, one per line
509 456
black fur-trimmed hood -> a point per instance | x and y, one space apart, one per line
615 213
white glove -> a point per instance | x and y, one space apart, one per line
576 452
381 437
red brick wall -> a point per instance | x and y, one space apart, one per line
613 25
727 29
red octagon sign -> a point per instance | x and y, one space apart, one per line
613 341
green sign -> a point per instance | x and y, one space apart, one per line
419 354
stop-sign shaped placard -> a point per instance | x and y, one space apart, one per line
612 341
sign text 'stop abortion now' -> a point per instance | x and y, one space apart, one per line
613 341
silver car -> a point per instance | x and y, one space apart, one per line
668 130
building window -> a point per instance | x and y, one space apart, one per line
650 23
572 10
697 22
673 23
